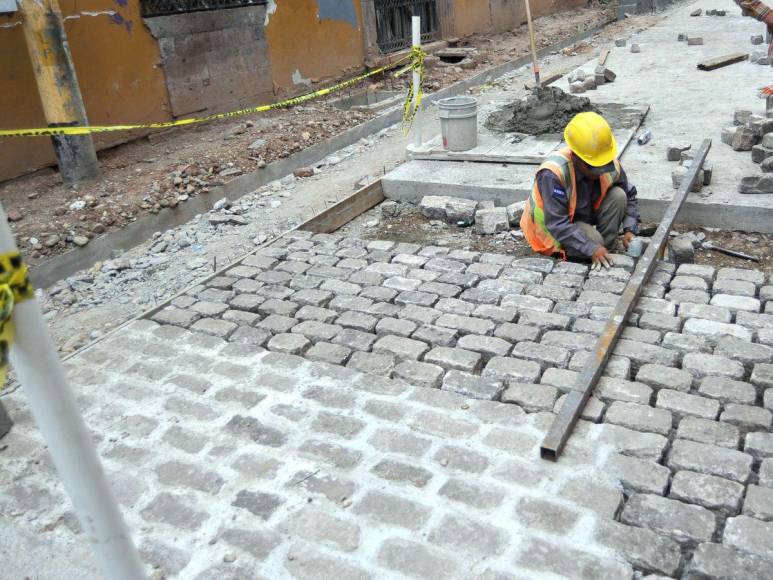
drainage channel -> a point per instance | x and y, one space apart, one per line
103 248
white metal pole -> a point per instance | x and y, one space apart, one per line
42 378
416 22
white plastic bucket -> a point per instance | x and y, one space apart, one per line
459 123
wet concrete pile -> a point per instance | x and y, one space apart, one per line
545 110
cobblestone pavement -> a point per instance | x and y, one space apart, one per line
339 408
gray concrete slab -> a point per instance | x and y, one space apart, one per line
687 105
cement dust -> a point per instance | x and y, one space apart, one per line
545 110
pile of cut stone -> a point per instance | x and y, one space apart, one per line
758 56
753 133
486 218
682 152
580 81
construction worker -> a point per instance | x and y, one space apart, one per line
581 196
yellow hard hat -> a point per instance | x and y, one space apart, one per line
590 138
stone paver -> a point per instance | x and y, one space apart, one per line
391 426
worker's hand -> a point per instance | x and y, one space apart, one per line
601 259
627 237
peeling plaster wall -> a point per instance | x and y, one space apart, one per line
117 63
312 40
214 60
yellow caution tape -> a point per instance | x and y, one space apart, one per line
15 287
409 111
417 62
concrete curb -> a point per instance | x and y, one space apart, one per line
59 267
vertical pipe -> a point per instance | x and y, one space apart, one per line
416 22
535 65
58 87
41 375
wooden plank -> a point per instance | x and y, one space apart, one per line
603 56
720 61
545 81
562 426
346 210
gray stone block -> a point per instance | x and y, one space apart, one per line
683 522
393 510
701 365
639 417
633 443
472 386
542 354
454 358
638 475
372 363
641 547
746 417
399 347
727 390
709 432
750 535
720 561
329 353
759 445
488 346
530 397
683 404
709 491
355 339
759 503
711 460
663 377
421 374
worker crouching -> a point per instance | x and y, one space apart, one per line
581 196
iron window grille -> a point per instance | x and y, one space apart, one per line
393 22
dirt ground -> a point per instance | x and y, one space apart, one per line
167 168
413 227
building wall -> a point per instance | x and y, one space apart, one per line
135 71
310 40
214 60
476 16
117 63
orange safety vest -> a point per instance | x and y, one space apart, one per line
533 220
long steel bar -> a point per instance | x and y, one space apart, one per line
564 423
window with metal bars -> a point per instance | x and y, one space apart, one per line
152 8
393 22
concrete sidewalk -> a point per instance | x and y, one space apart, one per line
687 106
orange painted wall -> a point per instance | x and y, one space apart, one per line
116 60
476 16
298 40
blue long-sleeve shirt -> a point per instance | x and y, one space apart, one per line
556 208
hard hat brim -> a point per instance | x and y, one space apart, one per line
604 158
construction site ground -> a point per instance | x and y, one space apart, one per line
364 404
165 169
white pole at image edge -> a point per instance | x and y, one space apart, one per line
416 23
41 375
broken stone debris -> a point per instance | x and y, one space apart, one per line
674 152
767 165
452 210
682 37
491 221
577 88
620 42
487 218
694 40
589 84
680 172
757 39
390 209
760 153
756 184
696 12
681 250
635 48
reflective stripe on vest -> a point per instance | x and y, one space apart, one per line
533 220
